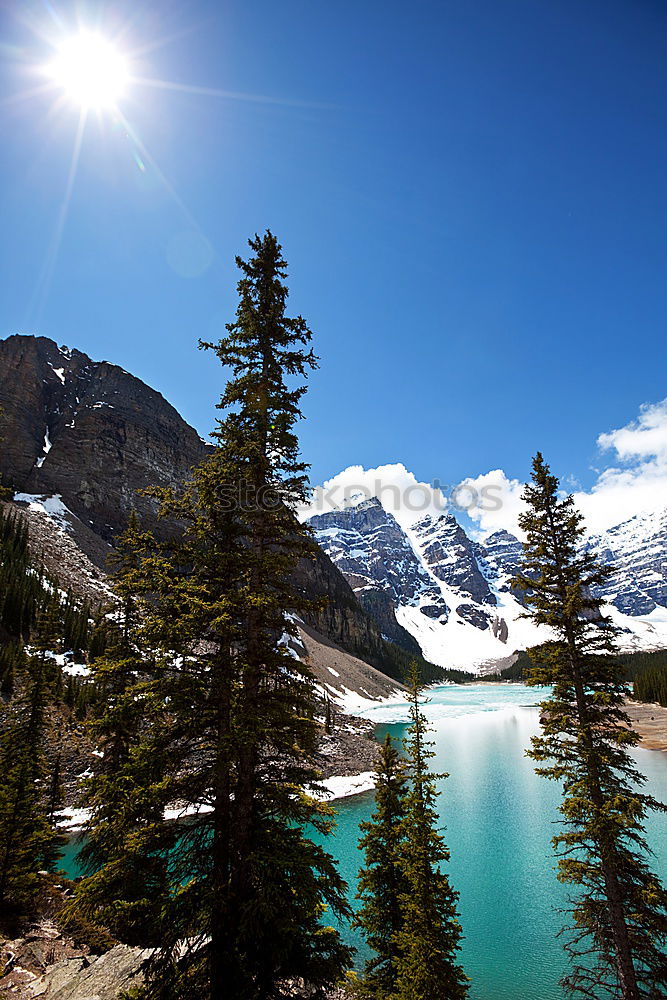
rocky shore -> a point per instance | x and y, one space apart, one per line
47 964
348 749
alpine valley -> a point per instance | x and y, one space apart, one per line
82 439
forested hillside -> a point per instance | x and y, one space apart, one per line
646 670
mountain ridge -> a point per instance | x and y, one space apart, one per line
483 623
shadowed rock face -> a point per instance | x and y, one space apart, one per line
88 431
450 555
372 550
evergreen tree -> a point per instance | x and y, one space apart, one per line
430 934
619 918
126 870
382 885
29 842
227 735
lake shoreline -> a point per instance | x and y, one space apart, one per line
648 720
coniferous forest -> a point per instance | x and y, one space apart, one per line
205 839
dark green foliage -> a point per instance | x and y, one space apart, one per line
430 937
28 793
632 665
651 685
519 670
226 731
382 885
27 591
22 591
648 671
37 702
455 676
127 876
618 918
409 913
12 660
395 662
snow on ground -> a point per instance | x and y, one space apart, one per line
73 819
51 506
180 812
641 633
457 645
76 669
339 787
67 666
353 703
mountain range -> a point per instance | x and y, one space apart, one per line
454 594
81 439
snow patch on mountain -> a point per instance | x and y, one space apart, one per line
431 565
50 506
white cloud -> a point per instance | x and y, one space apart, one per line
498 502
401 493
492 500
644 438
639 481
636 482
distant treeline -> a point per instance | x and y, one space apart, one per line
646 671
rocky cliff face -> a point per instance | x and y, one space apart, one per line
370 548
637 551
450 556
498 558
80 440
89 432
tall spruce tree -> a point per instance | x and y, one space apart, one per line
618 918
430 934
228 725
382 885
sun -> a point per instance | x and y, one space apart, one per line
90 70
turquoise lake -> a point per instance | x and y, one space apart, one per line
498 820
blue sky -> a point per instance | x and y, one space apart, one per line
471 196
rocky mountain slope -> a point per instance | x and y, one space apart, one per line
454 595
637 551
80 440
89 432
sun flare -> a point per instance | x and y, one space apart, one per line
90 70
